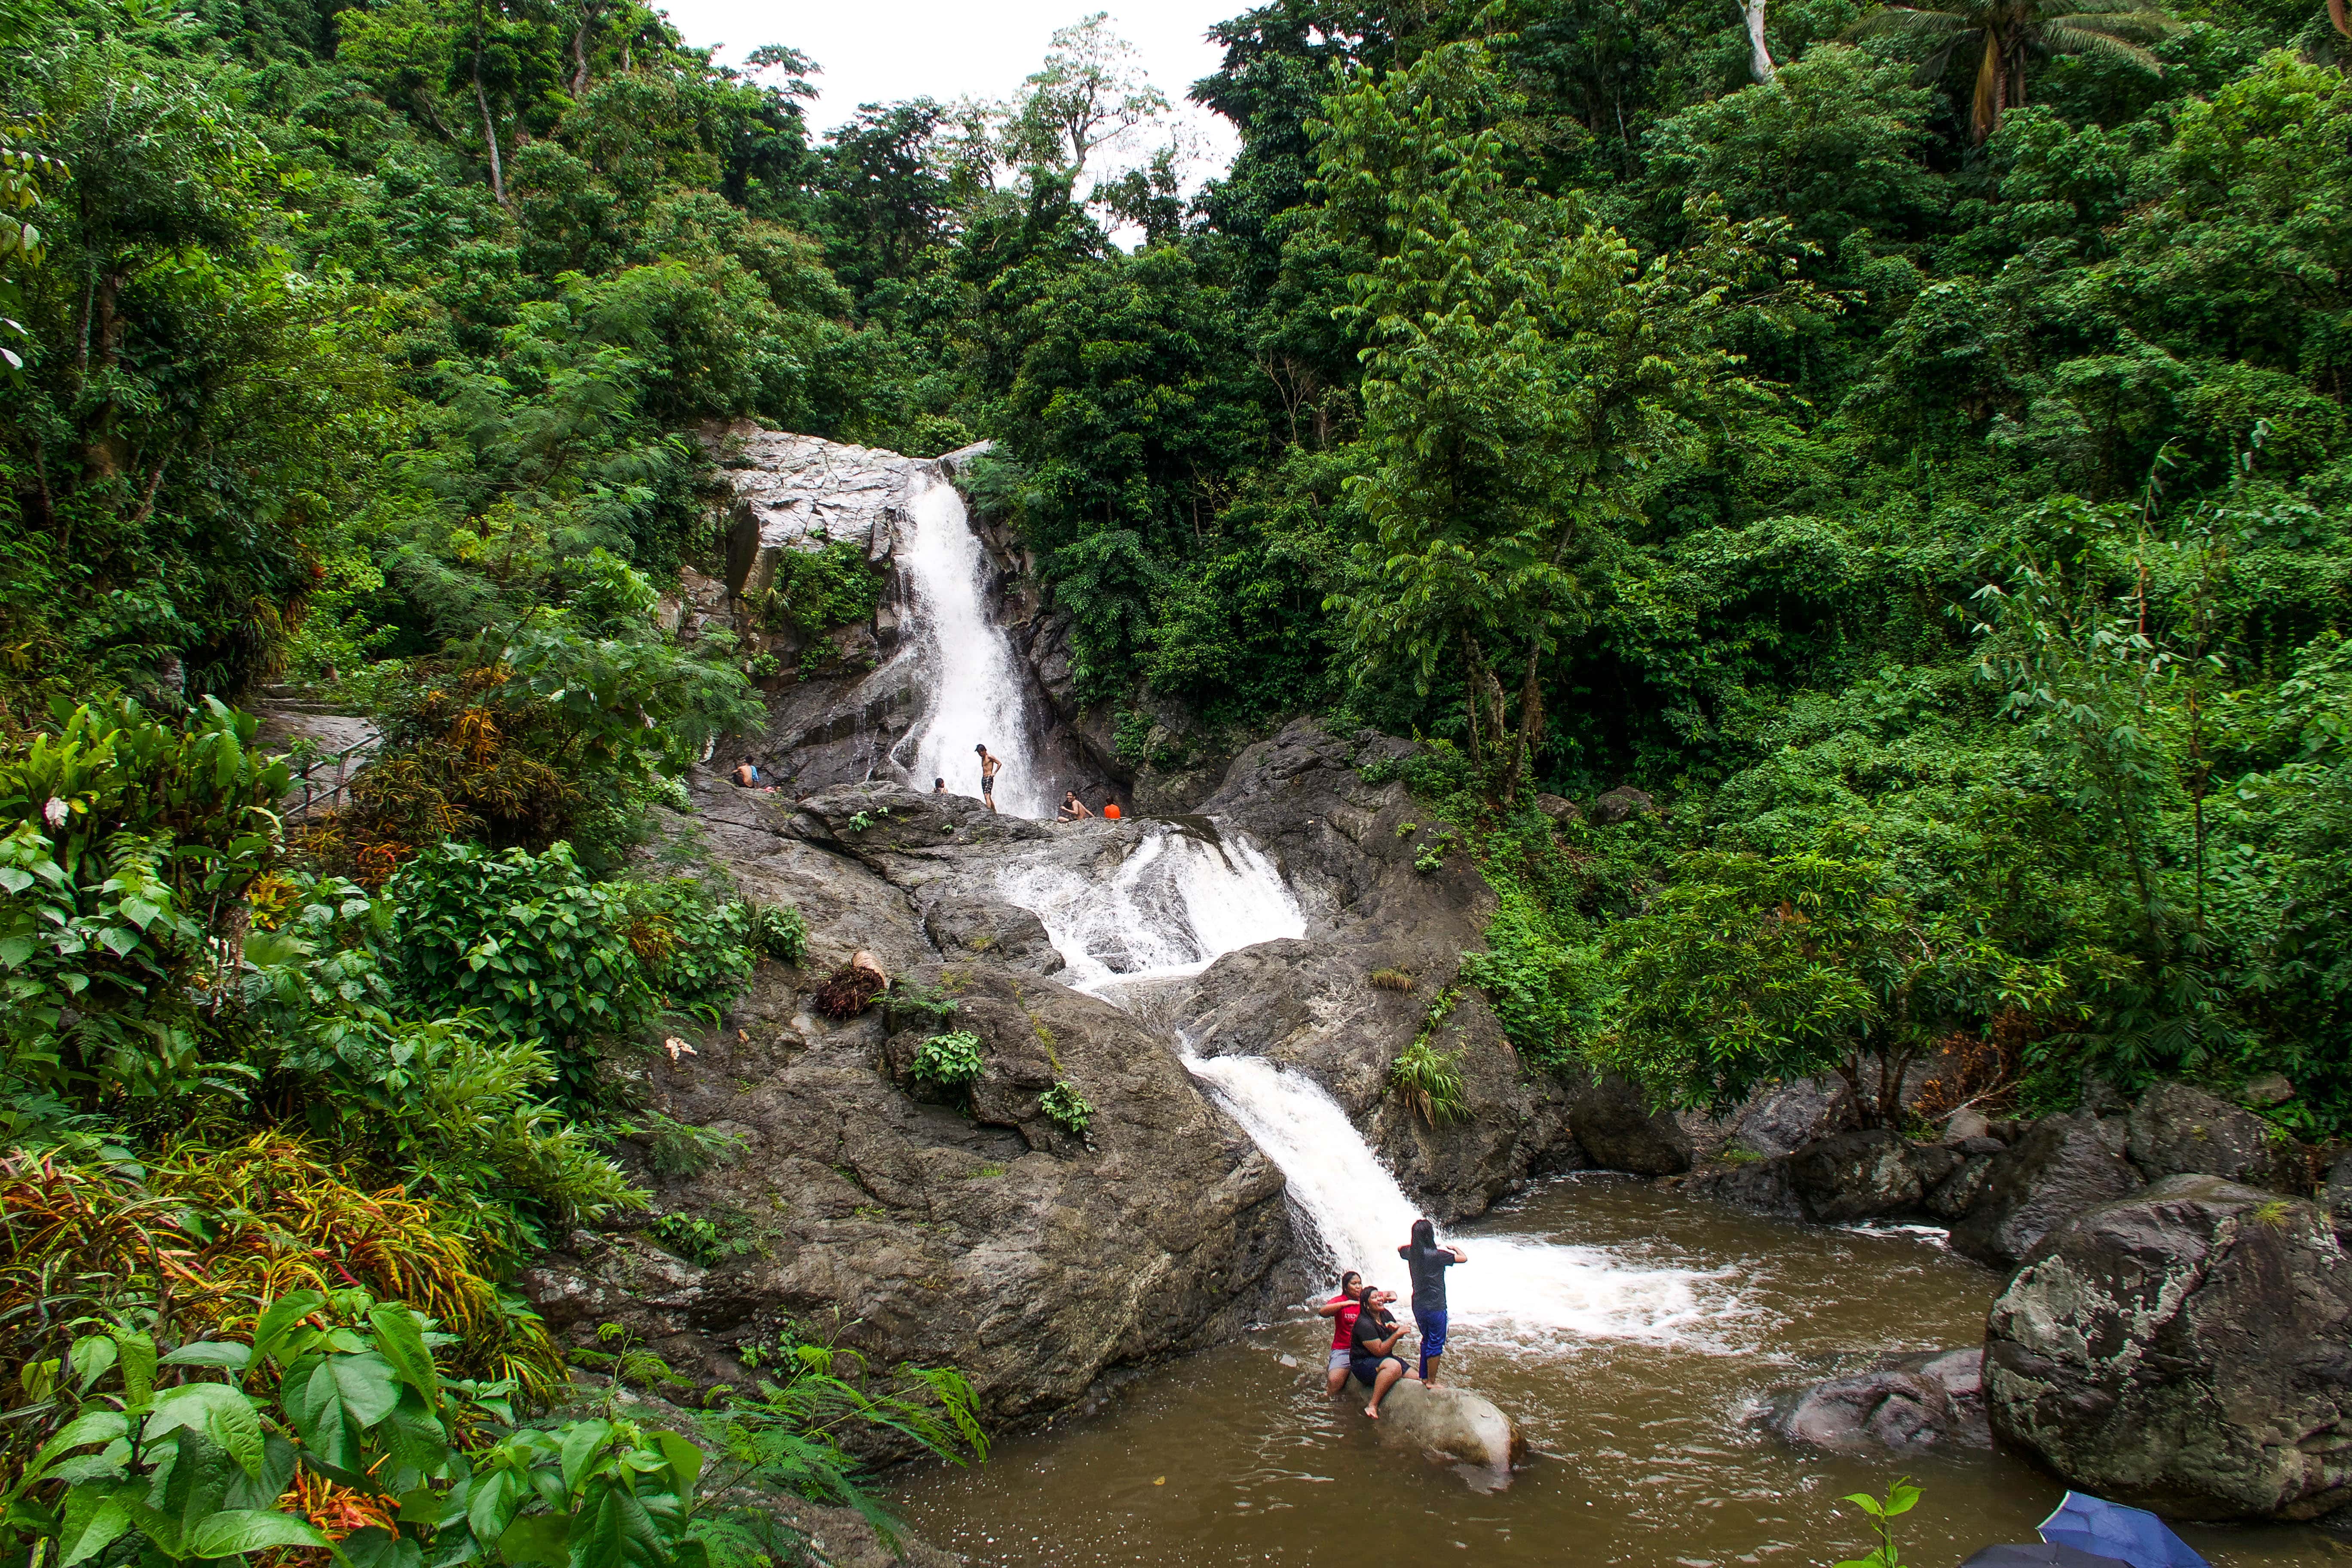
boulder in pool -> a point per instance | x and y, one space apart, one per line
1449 1422
1904 1403
2188 1349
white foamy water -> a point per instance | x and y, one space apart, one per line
1512 1288
977 695
1178 900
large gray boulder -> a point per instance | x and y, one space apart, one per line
2177 1131
1449 1424
2059 1167
1906 1402
1868 1175
1745 1179
1619 1130
2184 1349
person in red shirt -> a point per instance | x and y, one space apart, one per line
1342 1308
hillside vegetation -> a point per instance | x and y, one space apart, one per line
1908 448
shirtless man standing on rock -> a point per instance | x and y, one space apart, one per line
988 766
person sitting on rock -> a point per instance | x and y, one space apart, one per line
1376 1334
747 776
939 786
1073 808
1342 1308
1428 1263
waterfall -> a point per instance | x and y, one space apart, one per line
1178 897
978 693
1514 1289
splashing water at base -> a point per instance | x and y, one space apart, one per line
978 696
1513 1291
1179 899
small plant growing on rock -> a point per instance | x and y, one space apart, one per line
1430 1082
1432 850
1407 830
1900 1498
860 821
681 1150
1067 1108
950 1061
779 930
1390 980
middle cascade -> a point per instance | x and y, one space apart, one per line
1182 895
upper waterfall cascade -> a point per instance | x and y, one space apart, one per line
977 693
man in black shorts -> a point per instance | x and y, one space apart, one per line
988 766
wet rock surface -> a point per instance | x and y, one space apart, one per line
1310 1004
2184 1349
1617 1129
1449 1424
2061 1166
2177 1131
1904 1403
979 1234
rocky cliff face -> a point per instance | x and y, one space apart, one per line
982 1236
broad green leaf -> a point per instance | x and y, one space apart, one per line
221 1412
137 1352
239 1529
374 1548
366 1384
281 1315
685 1460
95 1517
582 1442
542 1539
599 1533
91 1357
400 1338
211 1352
89 1427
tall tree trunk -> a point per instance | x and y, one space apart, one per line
1528 738
490 134
1992 73
580 56
1760 58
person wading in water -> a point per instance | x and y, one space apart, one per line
1429 1263
1342 1308
988 766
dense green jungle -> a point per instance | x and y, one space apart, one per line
1907 447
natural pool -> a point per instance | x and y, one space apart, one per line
1632 1401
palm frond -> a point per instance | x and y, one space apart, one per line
2066 39
1985 110
2116 24
1902 21
1931 69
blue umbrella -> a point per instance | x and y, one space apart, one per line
2111 1530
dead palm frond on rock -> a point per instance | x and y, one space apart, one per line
2003 33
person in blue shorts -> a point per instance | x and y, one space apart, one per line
1428 1262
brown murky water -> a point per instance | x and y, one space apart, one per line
1639 1455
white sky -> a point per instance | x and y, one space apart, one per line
882 51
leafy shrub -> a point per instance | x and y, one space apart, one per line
950 1061
136 837
779 930
1067 1108
1430 1082
239 1224
816 589
702 1240
678 1149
